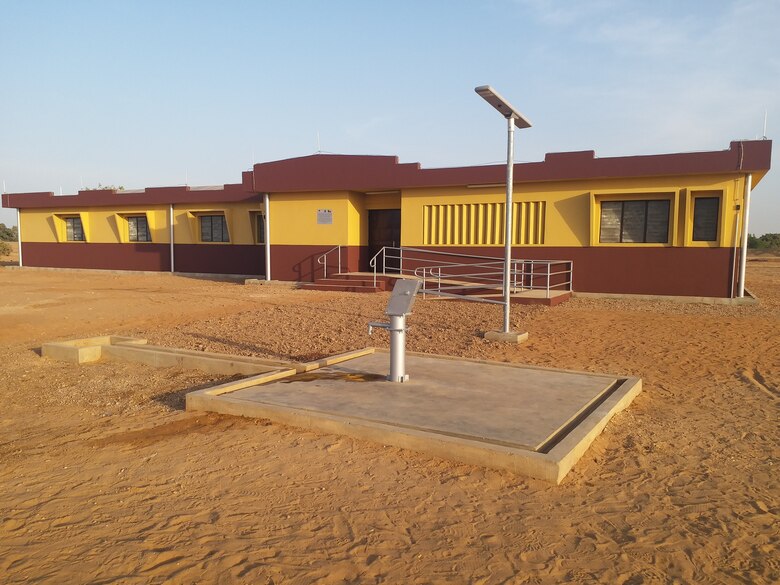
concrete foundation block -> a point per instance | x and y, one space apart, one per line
510 337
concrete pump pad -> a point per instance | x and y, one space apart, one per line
534 421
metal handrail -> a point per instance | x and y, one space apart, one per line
324 260
481 272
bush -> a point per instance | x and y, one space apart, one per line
7 234
5 249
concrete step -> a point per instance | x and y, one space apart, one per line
365 278
349 281
554 300
345 286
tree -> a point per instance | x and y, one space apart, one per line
102 187
7 234
765 242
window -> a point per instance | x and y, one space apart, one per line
634 221
259 228
74 230
138 229
705 219
213 228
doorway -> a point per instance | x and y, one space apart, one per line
384 229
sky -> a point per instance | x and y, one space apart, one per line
151 93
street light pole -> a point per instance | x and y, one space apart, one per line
510 164
513 118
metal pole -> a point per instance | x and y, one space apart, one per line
548 280
19 234
510 156
267 238
743 254
170 221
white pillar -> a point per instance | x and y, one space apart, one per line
745 227
267 238
170 221
19 234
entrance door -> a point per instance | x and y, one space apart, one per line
384 229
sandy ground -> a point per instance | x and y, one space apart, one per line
105 479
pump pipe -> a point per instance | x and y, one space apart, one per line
397 329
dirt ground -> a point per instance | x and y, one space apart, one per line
104 478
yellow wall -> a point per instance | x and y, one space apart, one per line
101 224
293 219
567 209
572 211
383 200
109 226
238 216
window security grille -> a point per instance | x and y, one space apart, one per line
138 229
705 219
634 221
213 228
74 230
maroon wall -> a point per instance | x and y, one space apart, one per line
703 272
299 263
211 259
632 270
220 259
104 256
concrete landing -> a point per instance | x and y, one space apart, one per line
532 421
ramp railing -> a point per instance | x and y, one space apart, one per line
470 276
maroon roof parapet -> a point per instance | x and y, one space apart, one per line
230 193
332 172
247 180
322 172
338 172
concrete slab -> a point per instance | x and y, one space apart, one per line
533 421
92 349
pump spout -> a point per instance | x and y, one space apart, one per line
378 325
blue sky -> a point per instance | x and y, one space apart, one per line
158 93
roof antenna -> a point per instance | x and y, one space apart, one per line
4 191
319 149
765 115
